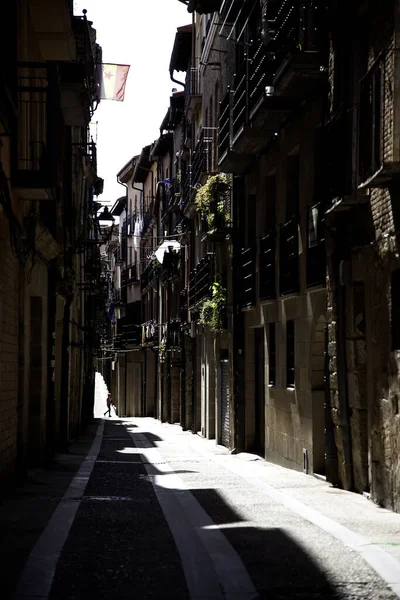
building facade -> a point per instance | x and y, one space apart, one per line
284 170
49 268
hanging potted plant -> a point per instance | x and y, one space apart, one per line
212 312
213 203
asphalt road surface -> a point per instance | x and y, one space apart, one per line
153 513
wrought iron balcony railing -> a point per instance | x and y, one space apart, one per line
192 87
183 306
118 255
205 160
150 275
267 280
225 124
148 218
188 189
201 280
289 257
128 275
36 146
149 333
172 266
296 37
240 98
248 276
174 334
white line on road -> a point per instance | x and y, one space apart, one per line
212 567
38 574
382 562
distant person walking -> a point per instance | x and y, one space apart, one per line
109 405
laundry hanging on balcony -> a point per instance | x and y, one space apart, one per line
137 230
113 81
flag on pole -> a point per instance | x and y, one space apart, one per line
113 82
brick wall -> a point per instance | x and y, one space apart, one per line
8 353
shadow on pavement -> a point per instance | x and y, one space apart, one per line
120 545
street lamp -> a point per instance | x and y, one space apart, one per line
106 224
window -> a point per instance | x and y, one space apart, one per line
290 354
370 123
313 234
395 301
271 355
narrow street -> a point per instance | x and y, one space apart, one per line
155 512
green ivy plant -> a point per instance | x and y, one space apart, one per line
211 202
213 309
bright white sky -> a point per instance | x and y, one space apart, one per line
139 33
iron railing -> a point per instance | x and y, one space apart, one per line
128 275
172 266
149 333
183 306
148 217
267 275
225 124
174 334
192 84
289 257
204 159
248 276
201 280
36 148
149 275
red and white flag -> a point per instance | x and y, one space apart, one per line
113 82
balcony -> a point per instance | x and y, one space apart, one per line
297 46
183 307
273 79
203 6
89 151
149 334
214 204
188 190
200 281
128 275
248 277
171 268
193 94
36 146
172 194
149 217
267 270
373 170
171 334
289 257
118 256
128 336
204 161
316 253
150 275
8 109
131 336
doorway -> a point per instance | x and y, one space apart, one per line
259 392
225 404
318 395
